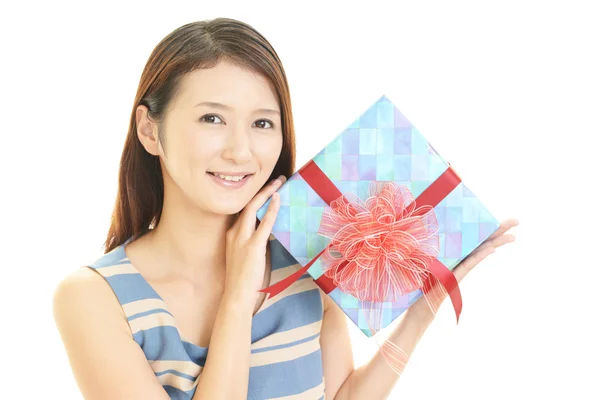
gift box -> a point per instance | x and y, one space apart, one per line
379 147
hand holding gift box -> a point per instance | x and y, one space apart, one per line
379 219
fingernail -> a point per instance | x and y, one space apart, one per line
276 182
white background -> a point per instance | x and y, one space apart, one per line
509 93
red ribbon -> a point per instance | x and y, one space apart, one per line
436 192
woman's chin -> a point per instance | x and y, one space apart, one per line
227 208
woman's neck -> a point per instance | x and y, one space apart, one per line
192 240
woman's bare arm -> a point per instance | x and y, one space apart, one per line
226 371
106 362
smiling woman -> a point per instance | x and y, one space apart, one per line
172 310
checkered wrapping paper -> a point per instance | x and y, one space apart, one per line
381 144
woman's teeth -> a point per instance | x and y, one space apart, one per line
229 178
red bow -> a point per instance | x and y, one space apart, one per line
381 247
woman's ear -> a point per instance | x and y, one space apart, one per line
147 130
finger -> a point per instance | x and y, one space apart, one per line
266 225
248 214
472 260
504 226
265 193
496 242
500 240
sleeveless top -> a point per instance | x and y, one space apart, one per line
285 354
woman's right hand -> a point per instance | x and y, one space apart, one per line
246 245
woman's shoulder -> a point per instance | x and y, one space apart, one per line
83 294
88 287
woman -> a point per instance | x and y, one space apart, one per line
210 140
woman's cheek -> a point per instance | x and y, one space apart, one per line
270 147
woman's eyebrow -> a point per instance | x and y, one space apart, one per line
226 107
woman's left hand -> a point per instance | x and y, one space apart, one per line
497 239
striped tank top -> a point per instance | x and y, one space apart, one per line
285 354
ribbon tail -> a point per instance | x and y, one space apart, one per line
434 293
448 281
286 282
395 357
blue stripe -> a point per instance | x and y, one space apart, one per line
149 312
122 286
178 394
288 313
197 354
163 343
110 259
124 261
282 346
175 372
289 377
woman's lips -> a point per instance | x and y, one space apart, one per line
229 184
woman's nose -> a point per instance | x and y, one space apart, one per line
238 146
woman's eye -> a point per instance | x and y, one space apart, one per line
261 123
210 118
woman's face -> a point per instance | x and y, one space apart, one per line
225 121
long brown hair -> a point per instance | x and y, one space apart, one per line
196 45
